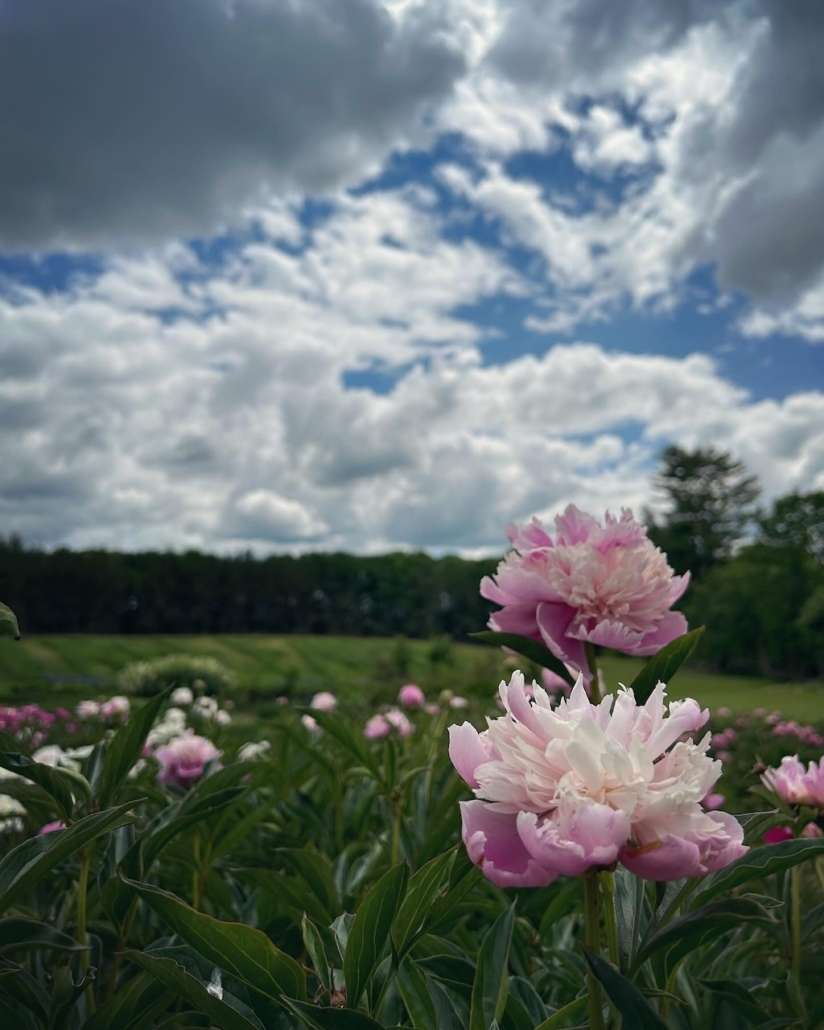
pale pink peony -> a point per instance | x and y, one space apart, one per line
183 760
377 728
795 784
411 696
115 708
561 789
310 724
87 709
399 722
603 584
324 702
713 801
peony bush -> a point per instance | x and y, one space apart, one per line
562 853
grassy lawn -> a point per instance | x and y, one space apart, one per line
61 669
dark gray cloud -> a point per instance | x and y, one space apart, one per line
129 122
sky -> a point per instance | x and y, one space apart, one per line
364 275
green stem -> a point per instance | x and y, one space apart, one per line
795 921
81 932
610 923
196 873
595 686
396 831
592 940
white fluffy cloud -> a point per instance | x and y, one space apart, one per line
167 403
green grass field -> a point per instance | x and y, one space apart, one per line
56 670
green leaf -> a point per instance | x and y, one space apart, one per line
756 864
490 985
527 647
62 785
316 950
241 950
739 997
343 732
561 1017
8 622
19 934
222 1012
625 996
370 930
30 861
132 1007
330 1018
126 746
682 936
424 886
664 665
415 994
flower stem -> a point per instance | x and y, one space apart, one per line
795 921
594 684
396 831
610 923
592 940
81 932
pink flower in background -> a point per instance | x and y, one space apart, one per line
411 696
324 702
602 584
87 709
723 739
310 723
58 824
724 756
777 835
458 702
115 708
399 722
713 801
184 759
723 712
561 789
377 728
795 784
432 709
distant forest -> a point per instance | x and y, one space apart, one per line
758 581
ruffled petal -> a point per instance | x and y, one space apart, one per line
493 844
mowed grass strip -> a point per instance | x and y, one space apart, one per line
61 669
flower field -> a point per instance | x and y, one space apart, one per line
548 853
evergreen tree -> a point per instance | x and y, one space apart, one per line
710 506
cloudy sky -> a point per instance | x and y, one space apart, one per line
315 274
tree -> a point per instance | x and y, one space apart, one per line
796 521
710 506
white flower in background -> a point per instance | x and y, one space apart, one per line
172 725
182 696
310 723
324 701
205 707
222 717
10 812
54 755
137 768
253 750
87 709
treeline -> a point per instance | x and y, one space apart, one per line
758 580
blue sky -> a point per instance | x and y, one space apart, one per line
397 280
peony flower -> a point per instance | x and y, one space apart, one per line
458 702
115 708
324 701
184 759
376 728
87 709
777 835
253 750
562 789
600 584
399 722
182 696
205 707
310 724
713 801
11 811
795 784
411 696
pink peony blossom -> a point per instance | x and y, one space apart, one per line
411 696
432 709
602 584
310 723
87 709
324 702
777 835
561 789
184 759
377 728
458 702
795 784
399 722
115 708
